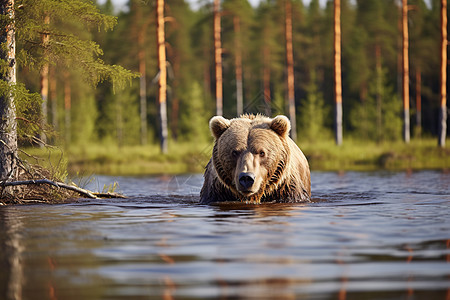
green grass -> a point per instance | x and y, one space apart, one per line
364 155
192 158
129 160
138 160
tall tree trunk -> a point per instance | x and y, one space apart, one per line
175 97
290 69
400 54
418 102
142 87
218 58
405 72
337 73
141 34
238 63
379 91
443 101
44 84
44 96
206 72
53 98
266 80
67 108
119 122
8 122
162 74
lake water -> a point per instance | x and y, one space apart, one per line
374 235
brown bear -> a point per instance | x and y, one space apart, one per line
254 160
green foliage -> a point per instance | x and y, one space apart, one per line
277 104
194 120
118 116
382 109
84 114
71 49
27 109
126 109
363 155
313 113
322 155
110 188
183 157
371 102
64 46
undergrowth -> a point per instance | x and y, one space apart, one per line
192 158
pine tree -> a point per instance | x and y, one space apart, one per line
237 22
337 72
194 117
142 34
375 120
405 71
162 77
181 60
8 123
443 101
218 57
419 56
131 45
313 112
290 68
26 23
269 55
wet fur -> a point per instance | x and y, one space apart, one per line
288 177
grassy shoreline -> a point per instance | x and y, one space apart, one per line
192 158
421 154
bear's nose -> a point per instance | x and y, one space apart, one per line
246 179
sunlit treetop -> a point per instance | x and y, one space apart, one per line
67 24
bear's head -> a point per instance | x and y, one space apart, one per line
250 154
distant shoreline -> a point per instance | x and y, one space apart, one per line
183 158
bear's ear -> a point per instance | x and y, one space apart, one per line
281 125
218 125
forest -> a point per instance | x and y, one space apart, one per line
90 75
371 71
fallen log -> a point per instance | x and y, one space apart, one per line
82 192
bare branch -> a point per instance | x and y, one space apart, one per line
81 191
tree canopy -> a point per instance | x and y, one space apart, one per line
371 82
36 36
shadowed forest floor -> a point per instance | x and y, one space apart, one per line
192 158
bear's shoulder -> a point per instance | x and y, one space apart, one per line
213 190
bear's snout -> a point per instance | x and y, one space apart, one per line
246 179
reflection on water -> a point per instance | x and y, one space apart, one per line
12 246
364 236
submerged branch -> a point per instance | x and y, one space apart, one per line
109 195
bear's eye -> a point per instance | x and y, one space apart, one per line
235 153
262 153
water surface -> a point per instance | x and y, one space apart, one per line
374 235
